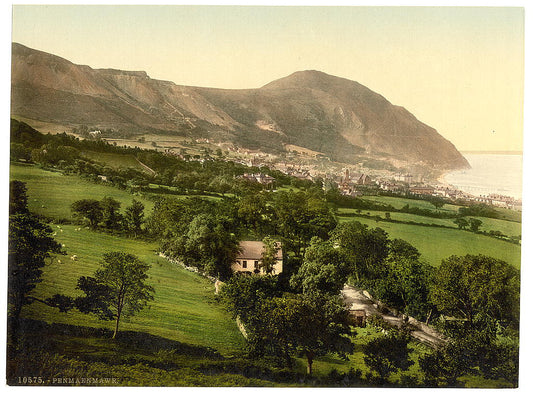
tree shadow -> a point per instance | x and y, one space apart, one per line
32 335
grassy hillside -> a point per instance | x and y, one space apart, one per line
51 193
183 309
114 160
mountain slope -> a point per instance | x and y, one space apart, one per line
335 116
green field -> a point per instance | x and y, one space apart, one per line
509 228
399 203
184 308
51 193
436 243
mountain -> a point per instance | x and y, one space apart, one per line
338 117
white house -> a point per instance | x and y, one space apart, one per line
249 259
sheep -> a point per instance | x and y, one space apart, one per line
74 257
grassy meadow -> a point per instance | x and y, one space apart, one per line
51 193
436 243
184 308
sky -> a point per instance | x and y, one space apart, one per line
457 69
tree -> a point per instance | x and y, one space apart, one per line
208 244
19 152
134 217
325 269
469 285
30 244
89 209
388 354
438 202
18 198
479 351
111 216
269 255
461 222
475 224
311 324
404 283
118 289
365 248
255 214
300 216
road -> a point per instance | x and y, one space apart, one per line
357 299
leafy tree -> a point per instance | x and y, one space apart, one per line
477 349
387 354
365 248
438 202
90 209
30 244
18 197
269 255
19 152
111 216
255 214
404 283
300 216
469 285
475 224
325 269
134 217
118 289
312 324
208 244
461 222
243 295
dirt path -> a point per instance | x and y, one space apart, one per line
146 167
357 299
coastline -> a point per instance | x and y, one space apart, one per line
499 176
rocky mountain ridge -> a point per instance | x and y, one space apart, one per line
339 118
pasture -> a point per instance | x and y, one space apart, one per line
510 228
184 307
50 193
436 243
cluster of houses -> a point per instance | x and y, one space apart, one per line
348 185
261 178
355 184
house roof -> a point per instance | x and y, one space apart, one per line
253 249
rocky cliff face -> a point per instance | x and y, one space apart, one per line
335 116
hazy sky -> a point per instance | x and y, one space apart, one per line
459 70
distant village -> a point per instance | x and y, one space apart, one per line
355 184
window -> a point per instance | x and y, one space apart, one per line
244 264
256 264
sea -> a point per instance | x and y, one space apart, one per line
490 174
